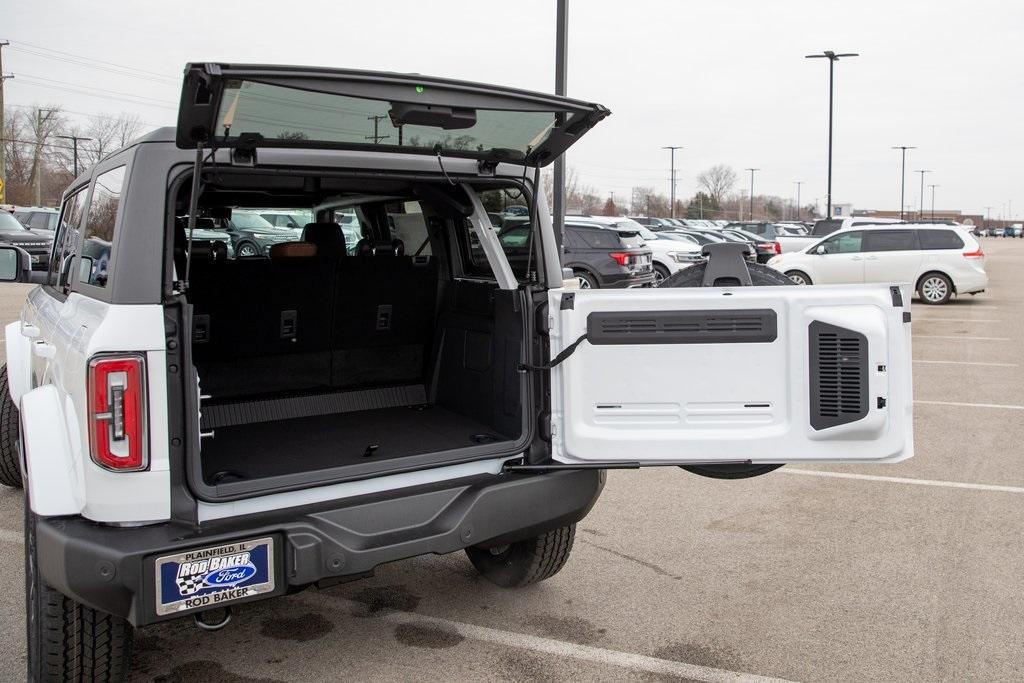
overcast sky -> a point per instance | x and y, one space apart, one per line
727 79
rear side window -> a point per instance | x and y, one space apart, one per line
890 240
599 239
66 238
939 239
94 262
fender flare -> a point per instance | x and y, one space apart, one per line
53 483
19 361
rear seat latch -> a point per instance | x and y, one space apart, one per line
200 329
289 324
384 317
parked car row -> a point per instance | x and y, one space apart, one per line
1015 230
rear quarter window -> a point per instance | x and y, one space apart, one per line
939 239
99 227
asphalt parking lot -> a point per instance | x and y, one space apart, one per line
905 572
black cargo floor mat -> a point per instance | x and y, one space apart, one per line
265 449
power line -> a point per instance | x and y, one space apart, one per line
79 91
89 87
125 67
86 114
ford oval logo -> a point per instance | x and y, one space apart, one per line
230 577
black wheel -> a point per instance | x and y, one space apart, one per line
798 277
934 288
524 562
587 281
10 464
247 249
68 641
760 276
660 274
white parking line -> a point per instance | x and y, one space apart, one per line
959 404
959 337
905 480
561 648
967 362
955 320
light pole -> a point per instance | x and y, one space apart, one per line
37 167
74 145
832 58
920 211
672 191
798 183
561 75
933 200
752 191
903 174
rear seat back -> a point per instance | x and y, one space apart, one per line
383 317
310 317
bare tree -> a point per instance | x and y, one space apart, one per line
718 181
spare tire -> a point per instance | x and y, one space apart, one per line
760 276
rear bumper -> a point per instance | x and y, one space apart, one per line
113 568
629 281
971 282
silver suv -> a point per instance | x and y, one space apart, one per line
200 428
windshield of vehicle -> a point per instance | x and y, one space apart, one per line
280 113
8 223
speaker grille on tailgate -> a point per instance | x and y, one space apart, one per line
682 327
838 374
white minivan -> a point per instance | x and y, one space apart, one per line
938 260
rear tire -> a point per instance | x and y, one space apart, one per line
799 277
10 463
934 289
660 274
760 276
587 281
68 641
524 562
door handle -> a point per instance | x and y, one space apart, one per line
29 330
856 258
871 258
44 349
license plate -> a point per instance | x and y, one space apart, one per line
208 577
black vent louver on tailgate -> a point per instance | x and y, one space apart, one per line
839 375
682 327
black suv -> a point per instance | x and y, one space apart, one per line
36 242
600 257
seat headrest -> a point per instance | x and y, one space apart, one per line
287 250
327 236
368 247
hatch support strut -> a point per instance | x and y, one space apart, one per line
193 207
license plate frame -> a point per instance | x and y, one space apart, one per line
214 576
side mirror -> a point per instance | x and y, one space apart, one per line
820 250
15 264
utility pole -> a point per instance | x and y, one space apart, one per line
75 139
3 124
903 175
933 200
36 165
832 58
988 215
798 183
752 191
672 180
561 72
376 123
920 211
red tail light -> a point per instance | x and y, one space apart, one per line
117 412
620 257
978 253
776 247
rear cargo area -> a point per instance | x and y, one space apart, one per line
324 361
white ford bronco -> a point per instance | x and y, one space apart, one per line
197 427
